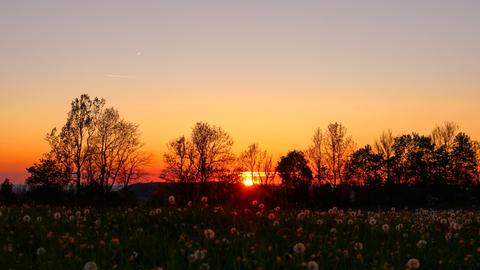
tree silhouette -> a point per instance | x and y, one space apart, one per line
315 155
464 159
294 171
96 146
338 147
365 166
384 147
212 148
206 155
179 158
252 159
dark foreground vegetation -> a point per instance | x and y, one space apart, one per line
201 235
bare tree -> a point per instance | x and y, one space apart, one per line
212 147
315 154
445 134
269 171
252 159
134 167
179 160
75 138
384 147
97 146
337 148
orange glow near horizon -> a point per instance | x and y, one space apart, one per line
266 72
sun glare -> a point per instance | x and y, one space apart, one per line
248 182
251 178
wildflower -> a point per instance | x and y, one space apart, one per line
57 215
190 204
277 209
204 266
372 221
455 226
201 253
158 211
209 233
399 227
300 216
385 227
258 213
271 216
413 264
299 248
254 202
312 265
26 218
204 199
358 246
276 223
261 206
39 219
192 257
98 222
421 243
115 241
171 200
233 231
41 251
90 266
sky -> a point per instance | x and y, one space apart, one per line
267 71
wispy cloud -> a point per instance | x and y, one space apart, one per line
119 76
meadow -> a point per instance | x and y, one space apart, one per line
196 235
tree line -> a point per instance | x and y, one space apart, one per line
96 149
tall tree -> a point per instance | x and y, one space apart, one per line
97 146
315 154
464 159
337 148
212 147
76 135
413 158
179 160
294 171
384 147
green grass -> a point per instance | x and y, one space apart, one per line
144 238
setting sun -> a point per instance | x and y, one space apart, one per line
248 182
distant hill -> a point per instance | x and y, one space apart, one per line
144 191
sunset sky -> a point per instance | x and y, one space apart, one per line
266 71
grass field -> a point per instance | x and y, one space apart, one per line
200 236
